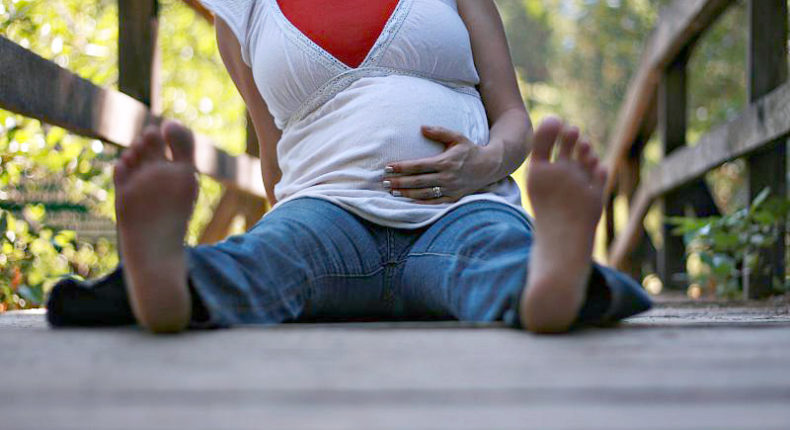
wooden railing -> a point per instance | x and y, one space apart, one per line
35 87
657 98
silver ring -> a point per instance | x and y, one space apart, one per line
437 192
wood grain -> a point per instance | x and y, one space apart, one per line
35 87
766 121
675 368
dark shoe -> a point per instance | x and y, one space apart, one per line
102 302
628 297
612 296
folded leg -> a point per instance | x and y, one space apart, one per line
473 263
306 260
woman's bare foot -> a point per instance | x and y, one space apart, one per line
567 197
154 200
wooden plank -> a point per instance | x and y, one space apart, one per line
391 376
35 87
765 122
233 203
138 52
681 23
767 168
252 210
226 209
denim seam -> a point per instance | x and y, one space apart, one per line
440 254
344 275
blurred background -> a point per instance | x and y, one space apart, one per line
574 58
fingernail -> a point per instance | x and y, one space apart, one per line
396 193
389 170
387 184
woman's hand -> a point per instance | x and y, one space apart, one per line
462 169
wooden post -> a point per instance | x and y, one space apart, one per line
627 184
768 168
138 54
672 115
609 218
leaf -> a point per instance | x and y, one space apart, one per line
725 241
764 217
760 199
723 265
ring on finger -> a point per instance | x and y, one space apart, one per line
437 192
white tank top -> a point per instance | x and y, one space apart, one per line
341 125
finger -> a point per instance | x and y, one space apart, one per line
568 142
417 193
544 138
443 135
424 165
416 181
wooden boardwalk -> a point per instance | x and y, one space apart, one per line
677 367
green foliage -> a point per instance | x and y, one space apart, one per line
574 58
40 160
33 255
728 246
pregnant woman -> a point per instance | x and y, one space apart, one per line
388 130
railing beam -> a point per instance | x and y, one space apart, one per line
680 24
765 121
38 88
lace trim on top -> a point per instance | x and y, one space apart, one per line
344 80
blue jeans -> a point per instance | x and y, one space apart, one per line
310 260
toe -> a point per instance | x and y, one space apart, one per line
153 146
120 174
586 156
544 138
600 175
568 142
181 142
131 157
583 151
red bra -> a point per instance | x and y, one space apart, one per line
347 29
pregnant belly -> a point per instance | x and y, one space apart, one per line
349 140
